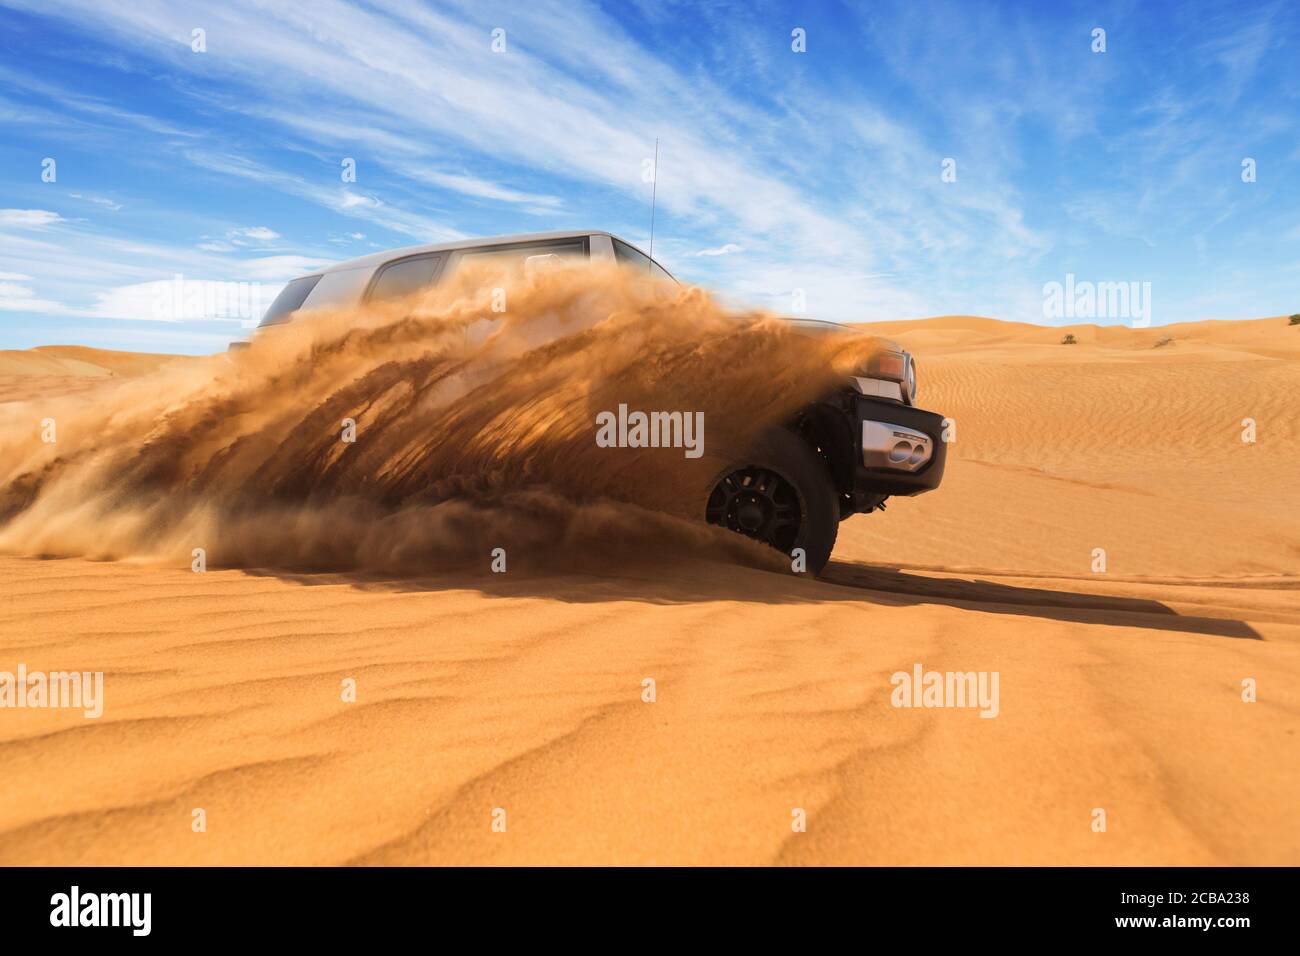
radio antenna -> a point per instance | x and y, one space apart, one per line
654 194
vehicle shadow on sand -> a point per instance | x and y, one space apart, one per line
700 581
984 595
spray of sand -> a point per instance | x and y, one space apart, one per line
474 429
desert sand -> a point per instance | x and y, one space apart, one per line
50 370
1120 690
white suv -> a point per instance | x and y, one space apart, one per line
843 454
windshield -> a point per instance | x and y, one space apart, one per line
625 255
289 300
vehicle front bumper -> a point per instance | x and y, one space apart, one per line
900 449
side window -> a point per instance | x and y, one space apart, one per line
339 288
406 276
511 258
289 301
625 255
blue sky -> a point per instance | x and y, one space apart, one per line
779 170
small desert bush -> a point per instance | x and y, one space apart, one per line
1295 319
1069 340
1167 340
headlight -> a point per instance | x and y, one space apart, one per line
889 365
897 367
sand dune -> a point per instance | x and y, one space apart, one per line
1120 690
66 369
1266 338
80 361
1061 449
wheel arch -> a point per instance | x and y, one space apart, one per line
828 433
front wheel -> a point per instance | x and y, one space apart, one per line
781 495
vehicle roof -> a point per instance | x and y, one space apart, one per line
379 258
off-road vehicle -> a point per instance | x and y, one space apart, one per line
842 455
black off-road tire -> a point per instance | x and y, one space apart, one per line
782 495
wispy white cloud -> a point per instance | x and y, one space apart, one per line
183 299
104 201
338 198
280 268
236 239
28 217
479 188
260 233
108 277
21 298
723 250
